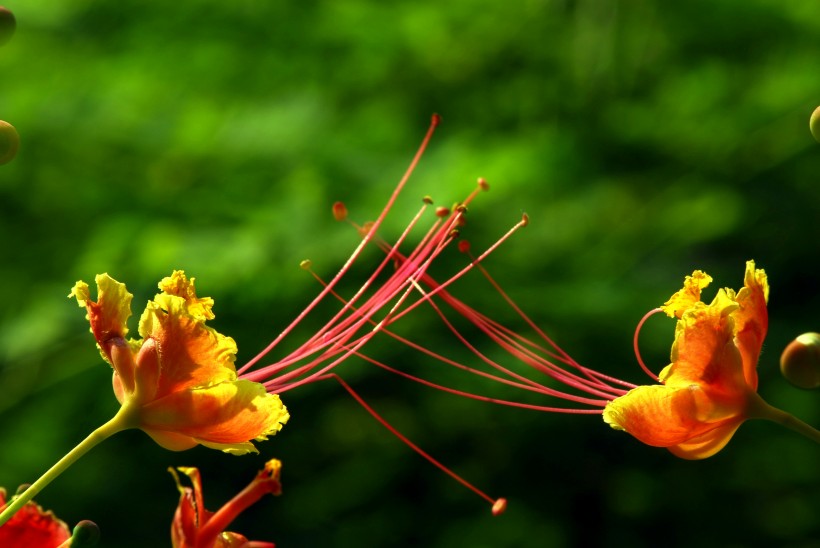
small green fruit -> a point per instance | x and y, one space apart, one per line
9 142
814 124
7 25
800 361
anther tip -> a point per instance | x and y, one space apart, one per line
525 219
499 506
442 211
436 120
483 184
306 264
8 24
464 246
339 211
427 200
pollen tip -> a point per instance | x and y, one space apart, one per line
499 506
464 246
483 185
442 211
339 211
306 264
525 219
435 120
427 200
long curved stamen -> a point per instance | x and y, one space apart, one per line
646 316
498 505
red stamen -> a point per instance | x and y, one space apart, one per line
498 505
646 316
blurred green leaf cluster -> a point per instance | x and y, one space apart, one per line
644 140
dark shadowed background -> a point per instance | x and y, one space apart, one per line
644 139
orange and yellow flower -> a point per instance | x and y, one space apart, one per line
178 382
196 527
710 386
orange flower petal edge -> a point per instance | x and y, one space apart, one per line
710 386
32 526
194 526
178 382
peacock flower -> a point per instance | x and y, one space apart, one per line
32 526
196 527
710 388
178 382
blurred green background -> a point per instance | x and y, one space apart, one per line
644 139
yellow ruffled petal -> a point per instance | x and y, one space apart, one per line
684 299
109 314
224 416
178 284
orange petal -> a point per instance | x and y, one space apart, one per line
191 353
704 352
661 416
224 416
752 320
684 299
707 444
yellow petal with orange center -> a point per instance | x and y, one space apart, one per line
178 284
192 354
223 416
688 296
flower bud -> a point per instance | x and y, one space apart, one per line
9 142
814 124
86 534
800 361
7 25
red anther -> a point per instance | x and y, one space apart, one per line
427 200
525 219
464 246
482 184
365 229
499 506
436 120
339 211
442 211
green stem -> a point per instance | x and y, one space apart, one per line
762 410
118 423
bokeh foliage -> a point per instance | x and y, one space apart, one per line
644 139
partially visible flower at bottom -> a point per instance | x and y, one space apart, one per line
32 527
196 527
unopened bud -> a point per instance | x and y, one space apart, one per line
85 534
814 124
800 361
9 142
8 24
